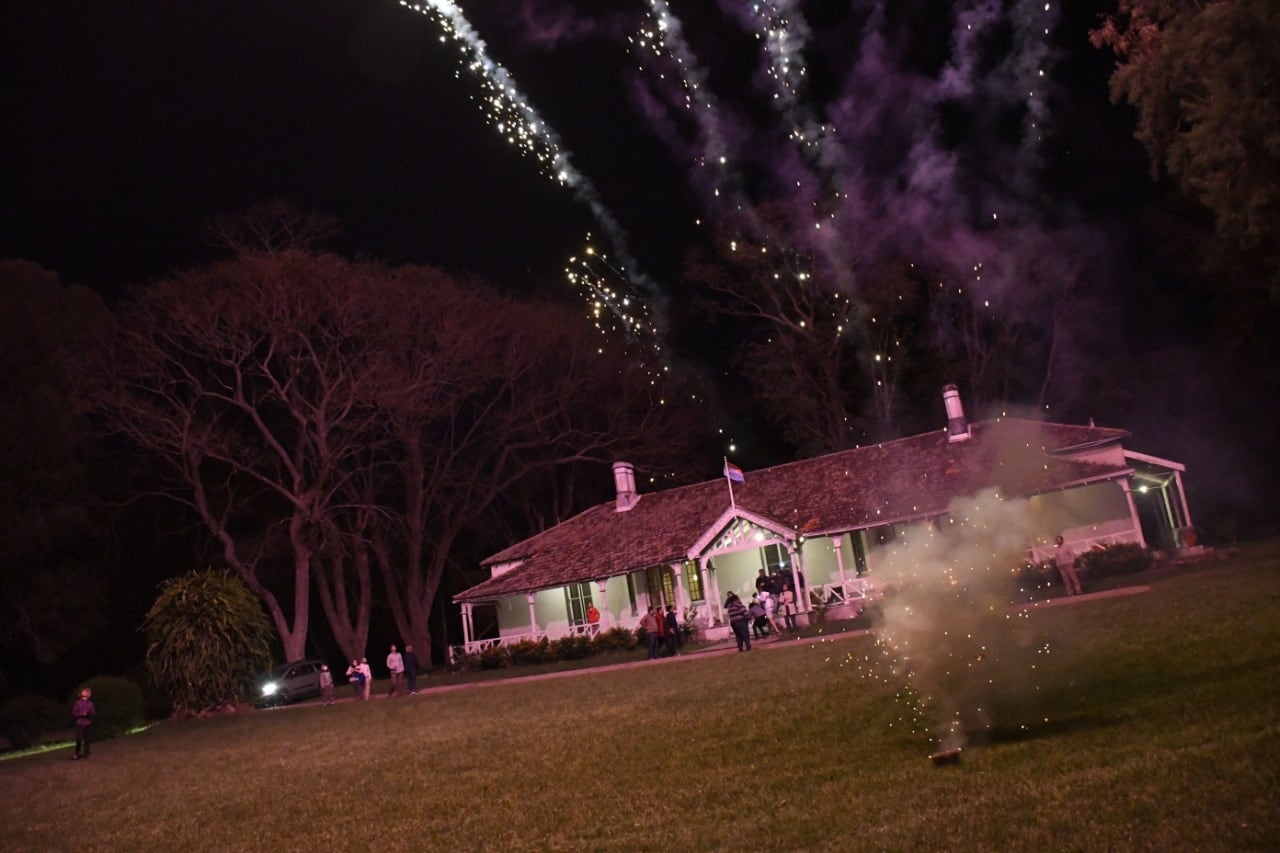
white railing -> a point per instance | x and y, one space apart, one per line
1045 553
478 646
834 594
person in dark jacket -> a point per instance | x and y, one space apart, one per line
738 618
84 712
411 670
674 640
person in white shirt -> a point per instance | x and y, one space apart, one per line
1066 560
368 677
395 665
770 607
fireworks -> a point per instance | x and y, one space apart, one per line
511 114
844 148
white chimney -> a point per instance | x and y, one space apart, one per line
624 480
957 426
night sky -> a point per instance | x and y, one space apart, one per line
128 126
975 138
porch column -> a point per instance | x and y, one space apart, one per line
707 594
1169 512
1182 498
796 567
1133 511
844 584
467 627
604 609
718 607
533 620
682 599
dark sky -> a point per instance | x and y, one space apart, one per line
976 138
128 124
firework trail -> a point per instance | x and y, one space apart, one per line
864 168
510 112
661 38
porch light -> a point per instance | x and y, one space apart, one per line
1142 489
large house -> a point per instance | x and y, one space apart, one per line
821 521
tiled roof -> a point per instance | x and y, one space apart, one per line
909 478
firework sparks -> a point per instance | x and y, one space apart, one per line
509 112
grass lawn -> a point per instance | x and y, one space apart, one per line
1154 725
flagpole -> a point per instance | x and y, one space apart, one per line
729 480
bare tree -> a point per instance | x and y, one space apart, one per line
804 339
495 395
249 380
356 423
269 228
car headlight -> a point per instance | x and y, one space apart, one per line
270 688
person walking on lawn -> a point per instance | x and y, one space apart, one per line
738 617
395 665
367 671
411 670
326 684
672 623
355 675
652 638
84 713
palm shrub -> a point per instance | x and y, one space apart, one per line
207 637
24 718
118 705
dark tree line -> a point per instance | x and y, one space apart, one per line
340 427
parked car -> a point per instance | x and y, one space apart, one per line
290 682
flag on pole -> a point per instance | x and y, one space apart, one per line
733 472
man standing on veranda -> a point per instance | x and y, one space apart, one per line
395 664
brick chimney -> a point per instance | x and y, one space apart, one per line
624 480
957 426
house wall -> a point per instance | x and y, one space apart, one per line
1097 509
737 572
818 556
549 610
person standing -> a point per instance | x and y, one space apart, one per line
756 611
355 675
326 684
84 712
395 666
1065 557
672 624
652 638
367 671
411 670
789 608
770 603
737 614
